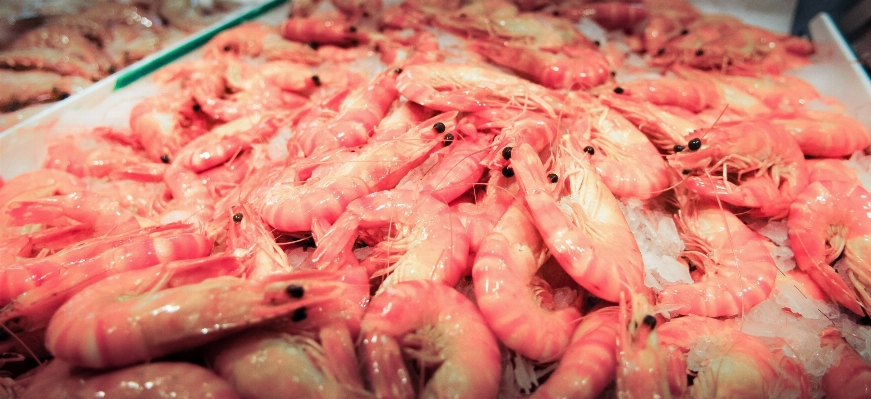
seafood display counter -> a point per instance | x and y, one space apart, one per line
452 199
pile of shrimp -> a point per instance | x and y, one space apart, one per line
459 199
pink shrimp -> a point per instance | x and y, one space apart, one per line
192 201
45 284
165 122
826 220
89 155
33 185
594 244
585 69
458 87
851 377
458 170
610 15
507 290
428 240
441 331
123 320
360 112
590 361
729 263
103 215
644 368
378 166
757 165
826 134
514 128
831 169
619 151
664 129
255 39
358 8
723 362
322 31
694 95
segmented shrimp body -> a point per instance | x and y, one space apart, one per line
610 15
765 160
438 329
851 377
586 68
504 274
105 216
144 314
380 165
591 239
693 95
828 219
255 39
826 134
664 129
325 31
164 123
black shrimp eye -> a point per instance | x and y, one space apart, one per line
678 148
439 127
227 48
553 177
353 42
314 45
316 80
613 73
449 138
700 52
397 71
686 171
507 171
597 43
506 152
164 158
352 29
237 218
695 144
650 321
299 314
661 51
684 32
618 90
197 108
295 291
589 150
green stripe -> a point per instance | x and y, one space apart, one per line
198 39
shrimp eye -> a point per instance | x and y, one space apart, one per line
553 177
507 171
613 73
314 45
618 90
555 13
686 171
597 43
295 291
661 51
237 217
506 152
589 150
227 48
449 138
678 148
353 42
196 108
695 144
164 158
684 32
352 29
299 314
316 79
397 71
650 321
700 52
439 127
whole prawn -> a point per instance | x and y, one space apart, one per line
586 68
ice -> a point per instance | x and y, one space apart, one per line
592 31
861 163
659 242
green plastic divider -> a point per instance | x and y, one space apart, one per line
191 44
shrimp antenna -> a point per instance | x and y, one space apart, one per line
23 345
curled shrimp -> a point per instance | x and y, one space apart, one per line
591 239
610 15
665 129
442 333
506 282
752 164
590 361
693 95
165 122
586 68
124 319
59 379
827 220
826 134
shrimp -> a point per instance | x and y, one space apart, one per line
730 265
826 134
693 95
89 155
102 214
49 59
30 186
255 39
762 166
504 273
590 361
831 169
851 377
28 87
192 201
585 69
261 364
723 362
644 369
827 220
610 15
378 166
514 128
452 352
59 379
664 129
164 123
145 314
591 239
619 152
428 241
458 87
358 8
41 286
322 31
